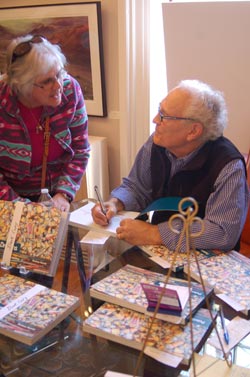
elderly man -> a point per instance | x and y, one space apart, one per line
186 156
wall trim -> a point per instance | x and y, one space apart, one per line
133 79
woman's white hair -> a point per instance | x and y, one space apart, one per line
21 74
208 106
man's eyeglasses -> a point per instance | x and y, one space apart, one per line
24 48
50 81
169 117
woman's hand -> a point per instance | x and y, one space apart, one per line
60 202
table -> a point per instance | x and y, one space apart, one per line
73 245
134 256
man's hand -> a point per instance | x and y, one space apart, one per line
99 217
137 232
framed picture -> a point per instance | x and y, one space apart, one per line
77 28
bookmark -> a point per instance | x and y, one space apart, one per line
12 233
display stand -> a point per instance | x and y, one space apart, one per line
187 216
73 244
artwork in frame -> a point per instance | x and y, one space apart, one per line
77 28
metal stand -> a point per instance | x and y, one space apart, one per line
186 216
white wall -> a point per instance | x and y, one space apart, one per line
210 41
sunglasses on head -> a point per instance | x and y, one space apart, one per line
24 48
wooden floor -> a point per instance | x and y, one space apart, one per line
74 286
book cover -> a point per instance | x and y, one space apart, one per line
170 300
164 257
167 343
31 236
28 311
123 288
229 275
82 217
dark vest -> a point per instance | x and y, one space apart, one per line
196 179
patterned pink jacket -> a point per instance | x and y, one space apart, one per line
68 125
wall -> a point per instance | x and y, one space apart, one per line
109 126
212 45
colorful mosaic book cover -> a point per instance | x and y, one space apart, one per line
167 256
31 236
229 275
167 343
123 288
28 311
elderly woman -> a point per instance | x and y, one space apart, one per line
44 124
186 156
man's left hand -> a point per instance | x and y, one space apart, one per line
137 232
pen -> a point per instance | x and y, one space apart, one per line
225 331
100 200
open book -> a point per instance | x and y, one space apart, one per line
28 311
82 218
168 343
229 275
123 288
31 236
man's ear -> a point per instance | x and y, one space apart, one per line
195 132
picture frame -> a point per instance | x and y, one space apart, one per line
77 28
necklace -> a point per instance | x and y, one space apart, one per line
32 117
39 126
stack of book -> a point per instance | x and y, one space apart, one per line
28 311
124 288
125 316
168 343
229 275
